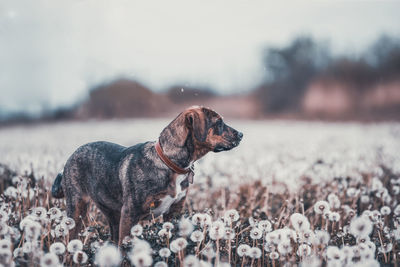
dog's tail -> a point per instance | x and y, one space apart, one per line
56 189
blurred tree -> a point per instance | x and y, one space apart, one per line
289 70
384 57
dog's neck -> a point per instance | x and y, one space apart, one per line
177 143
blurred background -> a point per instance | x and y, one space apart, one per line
83 59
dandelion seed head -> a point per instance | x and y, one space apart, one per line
299 222
80 257
141 259
137 230
243 250
274 255
74 246
196 236
57 248
360 227
49 260
320 207
185 227
108 256
191 261
231 216
164 252
168 226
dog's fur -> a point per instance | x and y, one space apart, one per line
128 183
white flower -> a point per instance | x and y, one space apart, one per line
141 259
5 244
208 251
299 222
197 236
364 199
160 264
49 260
206 220
272 237
178 244
80 257
303 250
39 212
60 230
108 256
136 230
140 246
321 207
334 216
255 233
168 226
231 216
3 216
68 222
54 213
334 254
164 233
307 236
386 248
164 252
360 227
185 227
334 201
284 247
265 225
321 237
74 246
197 218
4 228
385 210
255 253
352 192
32 230
274 255
229 234
191 261
57 248
396 210
217 230
347 252
11 192
243 250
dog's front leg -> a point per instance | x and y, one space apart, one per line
127 221
174 210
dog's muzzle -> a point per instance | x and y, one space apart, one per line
231 142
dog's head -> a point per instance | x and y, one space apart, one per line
209 131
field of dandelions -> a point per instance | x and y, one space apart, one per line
292 193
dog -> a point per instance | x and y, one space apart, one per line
129 184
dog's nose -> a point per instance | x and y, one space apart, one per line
240 135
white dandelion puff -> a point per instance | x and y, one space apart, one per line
321 207
80 257
243 250
108 256
136 230
360 227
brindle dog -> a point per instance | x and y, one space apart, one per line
129 183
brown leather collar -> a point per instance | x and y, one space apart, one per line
169 163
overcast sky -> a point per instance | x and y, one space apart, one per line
51 51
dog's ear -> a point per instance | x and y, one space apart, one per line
195 121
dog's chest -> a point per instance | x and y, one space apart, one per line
168 200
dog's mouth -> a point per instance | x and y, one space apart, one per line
228 145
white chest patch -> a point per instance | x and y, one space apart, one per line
168 200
